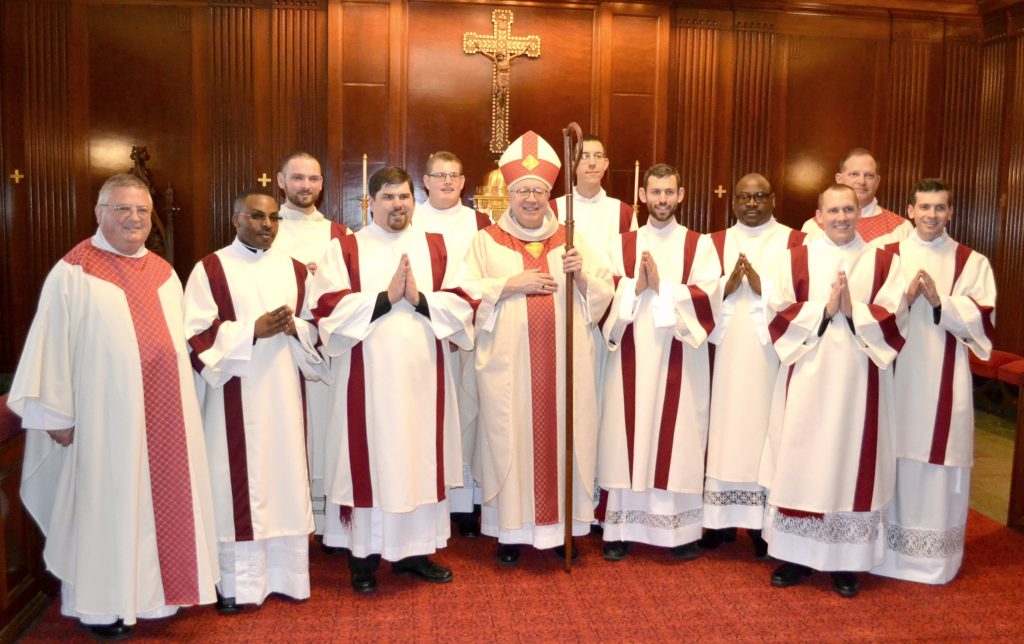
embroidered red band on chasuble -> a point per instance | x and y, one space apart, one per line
166 444
540 314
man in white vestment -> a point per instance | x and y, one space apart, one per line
521 263
444 213
836 317
303 234
745 366
115 466
877 226
951 295
654 421
248 346
390 306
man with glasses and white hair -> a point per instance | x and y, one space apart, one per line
521 264
251 350
745 365
115 469
444 213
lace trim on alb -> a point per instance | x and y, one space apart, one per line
930 544
751 498
661 521
835 527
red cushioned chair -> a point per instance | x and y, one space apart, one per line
987 389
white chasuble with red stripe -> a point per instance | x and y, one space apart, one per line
934 393
520 362
829 447
657 385
251 390
393 441
126 507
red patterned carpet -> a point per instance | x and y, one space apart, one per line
723 596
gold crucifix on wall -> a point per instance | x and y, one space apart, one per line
501 47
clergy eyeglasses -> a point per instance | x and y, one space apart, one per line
440 176
260 217
524 193
125 209
759 197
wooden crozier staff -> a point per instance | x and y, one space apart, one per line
569 166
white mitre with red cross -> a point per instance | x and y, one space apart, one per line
529 157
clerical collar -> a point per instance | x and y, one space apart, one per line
938 241
99 241
871 209
508 223
854 244
242 246
291 213
601 194
380 231
754 231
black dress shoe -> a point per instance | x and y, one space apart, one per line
423 568
760 545
789 574
508 554
364 582
615 550
332 550
227 605
560 551
713 538
686 552
467 523
110 632
846 584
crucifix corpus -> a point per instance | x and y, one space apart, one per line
501 47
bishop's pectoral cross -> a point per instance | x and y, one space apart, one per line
501 47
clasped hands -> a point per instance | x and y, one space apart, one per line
533 282
403 284
839 298
922 284
743 268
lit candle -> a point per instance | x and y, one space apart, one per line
636 182
364 174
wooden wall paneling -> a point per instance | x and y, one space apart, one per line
139 77
12 193
961 138
909 112
365 77
1010 257
331 163
755 43
637 43
986 178
701 120
298 81
232 123
398 74
199 237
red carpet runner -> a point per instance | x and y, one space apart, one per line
723 596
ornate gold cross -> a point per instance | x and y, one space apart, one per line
720 191
264 180
17 176
501 47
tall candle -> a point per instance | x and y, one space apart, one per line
636 183
364 174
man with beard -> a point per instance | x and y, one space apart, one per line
251 362
389 305
115 467
444 213
877 226
745 366
304 234
521 263
836 316
655 417
951 298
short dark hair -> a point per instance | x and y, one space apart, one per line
933 184
239 203
859 152
838 187
661 170
392 176
442 156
